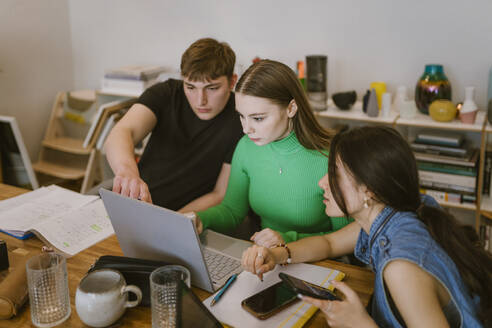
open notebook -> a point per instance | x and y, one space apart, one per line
229 311
63 219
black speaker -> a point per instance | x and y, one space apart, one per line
316 73
316 81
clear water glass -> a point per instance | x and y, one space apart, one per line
164 295
47 281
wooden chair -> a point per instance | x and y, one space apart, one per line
65 156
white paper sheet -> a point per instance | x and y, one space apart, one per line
228 309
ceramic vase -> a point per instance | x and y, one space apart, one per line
432 85
469 109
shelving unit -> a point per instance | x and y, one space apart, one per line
483 204
63 155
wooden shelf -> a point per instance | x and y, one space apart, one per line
422 120
59 170
69 145
464 206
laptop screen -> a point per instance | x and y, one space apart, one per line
193 312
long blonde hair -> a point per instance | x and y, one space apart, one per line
278 83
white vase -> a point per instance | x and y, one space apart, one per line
469 104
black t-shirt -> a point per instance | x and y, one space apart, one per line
184 155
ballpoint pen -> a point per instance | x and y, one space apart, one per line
222 291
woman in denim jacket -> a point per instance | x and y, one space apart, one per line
429 271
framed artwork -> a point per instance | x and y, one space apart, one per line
15 164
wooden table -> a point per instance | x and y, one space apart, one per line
360 279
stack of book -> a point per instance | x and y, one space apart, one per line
448 167
130 80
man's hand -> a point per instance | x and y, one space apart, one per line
132 186
267 238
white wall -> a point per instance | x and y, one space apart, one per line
35 62
384 40
52 45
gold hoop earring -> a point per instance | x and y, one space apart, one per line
366 202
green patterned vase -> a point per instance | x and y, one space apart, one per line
432 85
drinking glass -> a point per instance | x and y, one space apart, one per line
47 280
164 295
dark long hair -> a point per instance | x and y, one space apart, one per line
380 159
278 83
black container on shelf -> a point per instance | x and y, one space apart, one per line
316 81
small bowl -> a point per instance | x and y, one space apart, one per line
344 100
469 117
442 110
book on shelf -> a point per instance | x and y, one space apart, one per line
440 138
125 87
448 196
108 126
63 219
454 179
99 119
487 171
136 72
440 150
446 186
447 168
469 160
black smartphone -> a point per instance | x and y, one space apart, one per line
270 300
299 286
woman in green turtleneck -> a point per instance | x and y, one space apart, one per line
277 164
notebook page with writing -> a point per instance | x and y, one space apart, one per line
75 231
229 311
49 202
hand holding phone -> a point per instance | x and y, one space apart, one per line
302 287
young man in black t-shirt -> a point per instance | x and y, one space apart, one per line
186 163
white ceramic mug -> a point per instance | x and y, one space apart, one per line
102 297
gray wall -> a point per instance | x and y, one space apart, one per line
35 62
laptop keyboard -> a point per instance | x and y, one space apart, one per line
220 266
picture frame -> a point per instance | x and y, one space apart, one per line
14 159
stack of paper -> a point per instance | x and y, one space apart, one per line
229 311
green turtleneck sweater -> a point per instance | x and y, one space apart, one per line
279 181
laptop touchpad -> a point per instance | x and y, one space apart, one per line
224 244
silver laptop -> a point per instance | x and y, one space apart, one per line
156 233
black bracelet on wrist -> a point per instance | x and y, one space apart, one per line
289 258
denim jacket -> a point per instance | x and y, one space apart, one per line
404 236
